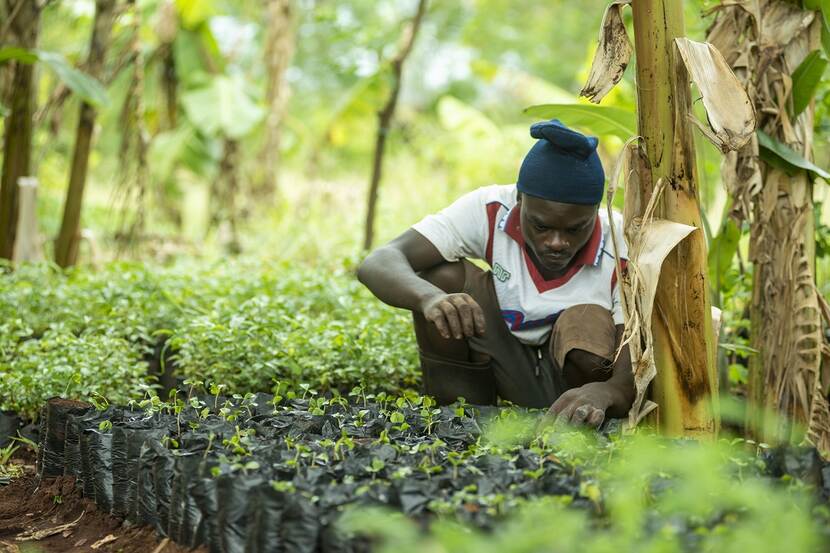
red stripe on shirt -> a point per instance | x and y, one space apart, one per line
492 212
585 256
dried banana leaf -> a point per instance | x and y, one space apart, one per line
612 55
729 110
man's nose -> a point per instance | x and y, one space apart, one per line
557 242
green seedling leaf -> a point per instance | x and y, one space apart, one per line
723 249
598 120
739 348
15 53
87 88
782 156
223 107
806 79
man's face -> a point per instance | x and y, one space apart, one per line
554 231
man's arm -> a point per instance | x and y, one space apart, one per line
391 273
589 404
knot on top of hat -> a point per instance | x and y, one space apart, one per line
564 139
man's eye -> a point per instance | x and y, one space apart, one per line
539 228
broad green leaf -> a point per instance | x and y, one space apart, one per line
86 87
780 155
223 107
722 250
825 37
166 149
456 115
806 79
360 101
16 53
194 12
4 111
599 120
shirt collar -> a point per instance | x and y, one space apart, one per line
588 255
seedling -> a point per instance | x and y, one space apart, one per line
98 401
383 438
376 466
398 419
9 470
456 459
284 486
215 390
192 384
240 442
344 440
359 419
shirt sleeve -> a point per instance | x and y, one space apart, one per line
459 230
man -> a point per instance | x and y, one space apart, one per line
543 327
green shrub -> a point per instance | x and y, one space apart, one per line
60 363
242 323
310 327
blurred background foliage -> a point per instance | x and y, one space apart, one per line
477 64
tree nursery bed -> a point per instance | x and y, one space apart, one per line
260 473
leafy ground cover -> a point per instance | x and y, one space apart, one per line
246 325
264 473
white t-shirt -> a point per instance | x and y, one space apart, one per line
483 224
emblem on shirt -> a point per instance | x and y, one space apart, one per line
501 273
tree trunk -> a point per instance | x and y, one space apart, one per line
133 170
66 244
279 49
785 389
17 145
166 30
223 198
686 381
385 121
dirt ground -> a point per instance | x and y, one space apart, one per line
52 515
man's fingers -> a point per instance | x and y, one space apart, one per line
478 317
596 418
581 413
465 314
566 413
452 318
441 324
559 405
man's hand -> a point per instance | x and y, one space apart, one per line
455 315
585 405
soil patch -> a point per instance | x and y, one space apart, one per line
51 515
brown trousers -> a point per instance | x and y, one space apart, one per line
522 374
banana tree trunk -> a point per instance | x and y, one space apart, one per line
17 144
686 381
66 244
784 378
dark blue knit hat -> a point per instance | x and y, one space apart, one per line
563 166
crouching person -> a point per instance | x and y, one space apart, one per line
539 329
